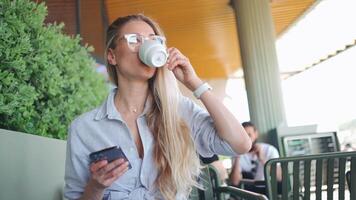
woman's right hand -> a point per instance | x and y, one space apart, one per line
103 174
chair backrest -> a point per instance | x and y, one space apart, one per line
296 184
220 191
213 190
194 195
348 179
205 182
215 181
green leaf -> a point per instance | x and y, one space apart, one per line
46 77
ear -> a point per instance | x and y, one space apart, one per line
111 57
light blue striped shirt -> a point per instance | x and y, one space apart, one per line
104 127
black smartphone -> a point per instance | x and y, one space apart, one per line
110 154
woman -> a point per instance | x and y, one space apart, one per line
159 130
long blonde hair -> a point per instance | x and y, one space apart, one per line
174 153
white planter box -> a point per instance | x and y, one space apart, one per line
31 167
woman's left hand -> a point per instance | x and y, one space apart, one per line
182 69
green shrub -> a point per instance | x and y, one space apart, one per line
46 77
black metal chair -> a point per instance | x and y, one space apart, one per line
348 179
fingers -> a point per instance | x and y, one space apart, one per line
177 62
117 172
104 173
173 57
98 165
171 50
181 68
176 58
113 165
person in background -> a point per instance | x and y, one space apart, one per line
251 165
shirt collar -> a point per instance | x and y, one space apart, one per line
108 108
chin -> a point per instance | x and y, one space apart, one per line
143 71
148 72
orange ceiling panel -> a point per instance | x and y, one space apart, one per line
286 12
204 30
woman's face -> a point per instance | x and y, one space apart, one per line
128 63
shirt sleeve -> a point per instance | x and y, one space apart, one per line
203 131
206 161
271 152
76 166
